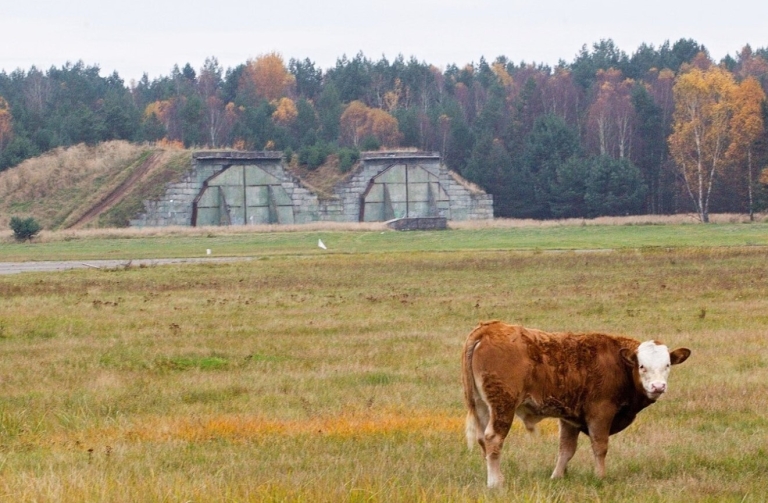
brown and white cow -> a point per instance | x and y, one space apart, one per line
593 383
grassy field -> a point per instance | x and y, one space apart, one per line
335 376
371 238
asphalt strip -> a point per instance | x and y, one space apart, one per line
55 265
64 265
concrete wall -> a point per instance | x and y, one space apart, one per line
396 185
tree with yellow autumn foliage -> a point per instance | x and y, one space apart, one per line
702 130
285 112
353 121
746 127
359 122
265 78
384 128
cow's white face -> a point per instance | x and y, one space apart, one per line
653 364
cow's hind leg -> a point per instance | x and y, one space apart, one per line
569 437
501 407
495 433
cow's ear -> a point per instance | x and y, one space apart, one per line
628 357
679 355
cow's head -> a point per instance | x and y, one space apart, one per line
651 363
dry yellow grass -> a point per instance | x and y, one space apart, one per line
51 186
248 428
41 176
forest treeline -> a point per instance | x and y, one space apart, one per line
663 130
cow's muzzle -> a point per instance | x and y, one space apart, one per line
657 389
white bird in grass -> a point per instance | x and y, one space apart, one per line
321 244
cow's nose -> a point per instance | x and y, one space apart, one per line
659 387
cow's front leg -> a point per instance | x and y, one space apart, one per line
569 437
599 449
599 431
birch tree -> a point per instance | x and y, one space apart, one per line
612 116
746 127
701 130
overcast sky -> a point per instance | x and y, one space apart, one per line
151 36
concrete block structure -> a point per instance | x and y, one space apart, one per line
247 188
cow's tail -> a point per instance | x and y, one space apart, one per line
470 390
470 429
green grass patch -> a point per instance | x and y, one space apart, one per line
643 239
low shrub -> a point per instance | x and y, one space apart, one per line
347 158
24 229
314 156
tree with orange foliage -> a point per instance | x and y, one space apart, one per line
384 127
701 130
266 78
6 124
285 112
353 123
359 121
746 127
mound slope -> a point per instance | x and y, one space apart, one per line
88 186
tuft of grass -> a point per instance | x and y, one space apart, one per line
378 378
191 362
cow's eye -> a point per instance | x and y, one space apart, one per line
642 368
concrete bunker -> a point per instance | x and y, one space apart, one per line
242 195
403 191
250 188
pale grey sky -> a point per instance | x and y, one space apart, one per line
139 36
